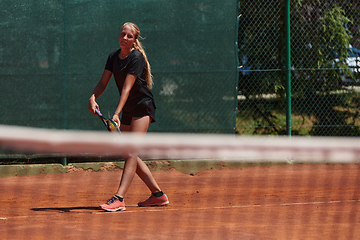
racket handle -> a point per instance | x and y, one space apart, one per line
97 112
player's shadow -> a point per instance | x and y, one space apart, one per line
67 209
72 209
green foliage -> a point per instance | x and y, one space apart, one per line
320 37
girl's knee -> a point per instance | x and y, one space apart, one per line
130 156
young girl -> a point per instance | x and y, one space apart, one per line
132 74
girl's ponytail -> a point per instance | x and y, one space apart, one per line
138 46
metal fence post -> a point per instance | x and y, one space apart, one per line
288 68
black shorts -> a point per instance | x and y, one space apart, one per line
140 111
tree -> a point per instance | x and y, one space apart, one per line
320 38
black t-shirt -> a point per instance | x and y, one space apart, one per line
133 64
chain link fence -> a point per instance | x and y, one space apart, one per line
325 80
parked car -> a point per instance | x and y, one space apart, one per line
353 61
254 78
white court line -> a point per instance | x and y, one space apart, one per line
6 218
241 206
163 209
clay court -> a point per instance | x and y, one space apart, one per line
301 201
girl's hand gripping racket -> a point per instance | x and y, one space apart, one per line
110 124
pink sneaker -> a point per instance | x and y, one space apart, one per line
155 201
113 205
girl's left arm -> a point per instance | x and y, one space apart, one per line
128 84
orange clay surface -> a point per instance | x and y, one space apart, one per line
310 201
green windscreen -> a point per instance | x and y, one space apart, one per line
52 54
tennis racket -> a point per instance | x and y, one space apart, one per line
110 124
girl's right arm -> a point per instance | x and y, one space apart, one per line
99 89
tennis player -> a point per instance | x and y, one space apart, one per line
133 78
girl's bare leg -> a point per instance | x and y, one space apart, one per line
128 174
133 164
144 173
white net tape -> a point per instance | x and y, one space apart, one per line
182 146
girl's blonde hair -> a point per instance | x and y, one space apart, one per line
138 46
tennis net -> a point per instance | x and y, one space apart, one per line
175 146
